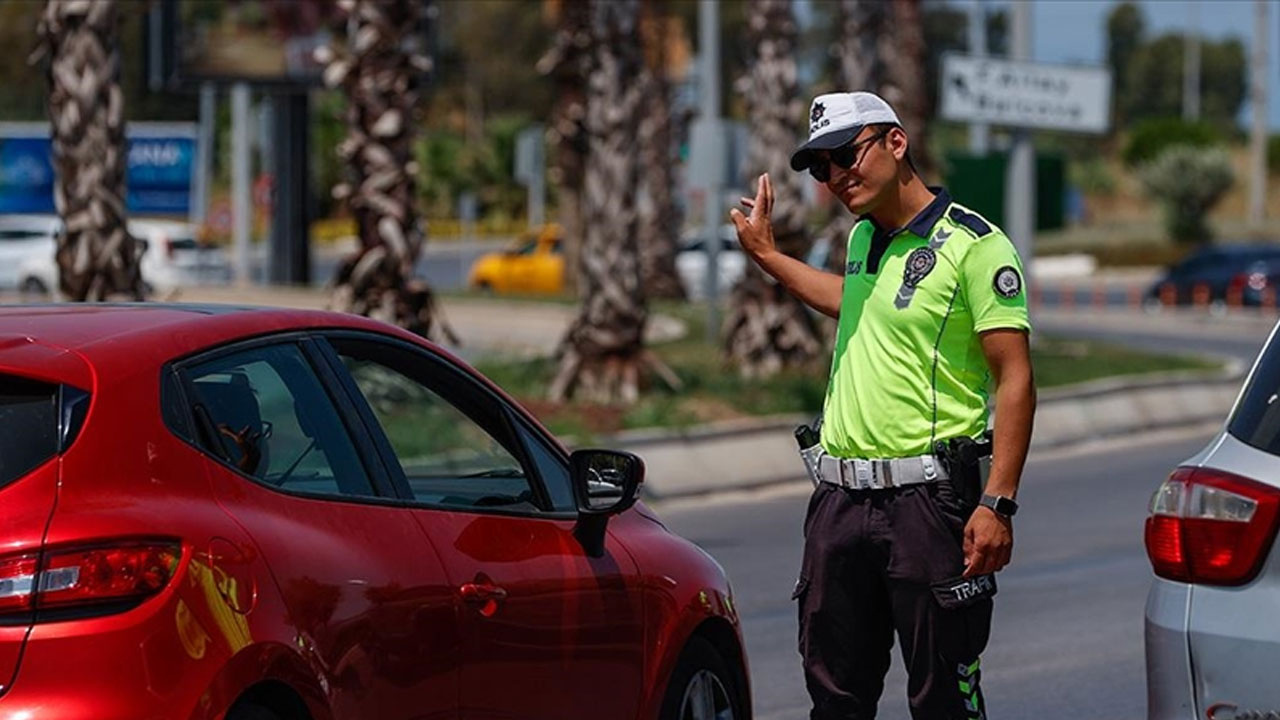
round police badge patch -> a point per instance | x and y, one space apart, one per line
919 263
1008 282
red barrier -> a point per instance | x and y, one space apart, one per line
1200 295
1168 294
1235 296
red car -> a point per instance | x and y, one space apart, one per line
253 514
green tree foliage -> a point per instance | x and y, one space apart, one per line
1153 84
1125 29
1153 136
1147 73
1188 182
1273 154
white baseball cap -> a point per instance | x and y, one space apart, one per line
836 118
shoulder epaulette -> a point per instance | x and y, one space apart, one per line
975 224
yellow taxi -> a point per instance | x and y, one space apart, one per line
535 264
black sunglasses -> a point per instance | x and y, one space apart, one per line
846 156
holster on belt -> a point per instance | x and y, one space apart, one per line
809 439
968 461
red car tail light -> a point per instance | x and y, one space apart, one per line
76 577
1211 527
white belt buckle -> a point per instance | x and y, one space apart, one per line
862 473
877 474
930 470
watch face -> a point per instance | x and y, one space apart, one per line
1000 504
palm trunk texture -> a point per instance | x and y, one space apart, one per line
567 63
767 329
904 56
97 258
379 78
660 216
863 26
602 355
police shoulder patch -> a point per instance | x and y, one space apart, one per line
1007 282
968 220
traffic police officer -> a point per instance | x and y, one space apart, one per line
931 308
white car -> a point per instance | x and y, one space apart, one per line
691 262
1212 640
173 259
20 237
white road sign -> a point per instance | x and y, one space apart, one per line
1029 95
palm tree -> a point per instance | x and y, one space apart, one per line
374 63
862 26
568 63
660 216
97 257
603 354
903 54
767 329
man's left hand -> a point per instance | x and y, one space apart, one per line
988 542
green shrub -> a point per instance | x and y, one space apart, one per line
1273 154
1152 137
1188 182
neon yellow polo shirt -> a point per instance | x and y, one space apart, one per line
908 368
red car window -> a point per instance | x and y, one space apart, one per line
273 421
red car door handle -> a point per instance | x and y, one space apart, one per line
481 593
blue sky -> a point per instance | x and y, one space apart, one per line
1075 31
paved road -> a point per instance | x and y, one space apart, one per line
1067 640
443 264
1239 337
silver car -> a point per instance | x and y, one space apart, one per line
1212 633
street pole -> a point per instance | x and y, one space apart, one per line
204 153
1258 99
241 205
979 133
713 214
1020 181
1191 65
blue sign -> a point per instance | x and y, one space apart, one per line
158 179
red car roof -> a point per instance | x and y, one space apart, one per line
152 333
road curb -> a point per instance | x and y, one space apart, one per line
757 452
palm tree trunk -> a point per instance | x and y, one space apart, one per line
859 65
660 216
602 355
904 55
568 63
767 329
380 79
97 258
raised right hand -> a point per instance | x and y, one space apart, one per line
755 231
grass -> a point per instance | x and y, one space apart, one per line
713 390
1059 361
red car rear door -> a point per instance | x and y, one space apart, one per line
371 610
548 632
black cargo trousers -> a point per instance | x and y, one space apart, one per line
869 559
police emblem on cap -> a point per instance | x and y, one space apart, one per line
816 115
1008 282
919 264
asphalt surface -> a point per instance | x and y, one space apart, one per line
1067 637
1163 334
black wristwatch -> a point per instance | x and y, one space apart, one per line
1000 505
